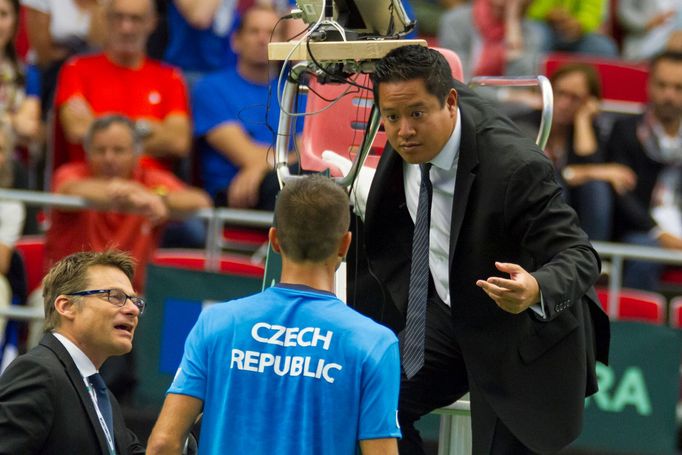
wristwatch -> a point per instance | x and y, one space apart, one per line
143 128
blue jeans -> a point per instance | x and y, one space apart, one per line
189 233
593 201
642 274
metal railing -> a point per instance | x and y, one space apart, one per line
216 217
618 253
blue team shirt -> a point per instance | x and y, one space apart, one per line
209 49
200 50
290 371
226 97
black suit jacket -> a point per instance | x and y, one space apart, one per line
45 408
507 207
633 209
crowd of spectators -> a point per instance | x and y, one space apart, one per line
208 113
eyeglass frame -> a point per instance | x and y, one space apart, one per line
139 302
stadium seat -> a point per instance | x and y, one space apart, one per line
675 316
342 112
32 250
196 260
242 239
636 305
624 84
672 277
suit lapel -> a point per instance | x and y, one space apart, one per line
76 379
389 190
466 174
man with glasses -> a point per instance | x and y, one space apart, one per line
52 399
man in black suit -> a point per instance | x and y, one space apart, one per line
52 399
511 315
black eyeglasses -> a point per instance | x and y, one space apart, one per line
115 297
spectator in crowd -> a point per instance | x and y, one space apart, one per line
647 26
230 122
572 26
123 80
59 29
651 145
199 34
137 200
346 392
575 146
17 109
491 37
52 399
12 215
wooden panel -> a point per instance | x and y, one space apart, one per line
337 50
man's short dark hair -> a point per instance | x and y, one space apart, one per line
104 122
406 63
311 215
241 21
590 73
673 56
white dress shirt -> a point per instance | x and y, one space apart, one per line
443 176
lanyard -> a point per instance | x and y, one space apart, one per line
102 423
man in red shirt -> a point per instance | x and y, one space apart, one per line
123 80
133 201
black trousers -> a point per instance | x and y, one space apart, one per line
443 380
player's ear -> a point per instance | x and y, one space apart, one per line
344 245
274 240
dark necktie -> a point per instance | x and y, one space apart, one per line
103 402
413 335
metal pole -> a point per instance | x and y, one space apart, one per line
526 81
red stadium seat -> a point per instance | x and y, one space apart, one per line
636 305
624 84
196 260
342 115
244 239
32 250
672 277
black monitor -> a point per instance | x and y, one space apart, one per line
367 18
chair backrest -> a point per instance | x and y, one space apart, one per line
341 116
636 305
32 250
196 260
624 84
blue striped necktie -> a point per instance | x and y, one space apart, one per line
103 402
412 337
